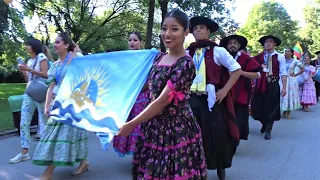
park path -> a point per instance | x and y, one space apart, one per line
293 153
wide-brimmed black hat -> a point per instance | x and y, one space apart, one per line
200 20
264 38
317 52
242 40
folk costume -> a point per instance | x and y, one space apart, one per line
265 103
242 90
217 121
308 90
169 145
316 63
291 101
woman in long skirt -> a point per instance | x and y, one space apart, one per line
60 144
291 101
127 145
170 144
308 91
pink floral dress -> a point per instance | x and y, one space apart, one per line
127 145
308 91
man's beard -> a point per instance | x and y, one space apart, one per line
233 51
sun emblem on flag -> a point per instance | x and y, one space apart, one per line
90 87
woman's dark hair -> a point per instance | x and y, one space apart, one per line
181 16
35 44
292 51
67 40
138 34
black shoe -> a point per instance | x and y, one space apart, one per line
221 174
263 129
267 136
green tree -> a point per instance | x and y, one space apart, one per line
95 25
269 18
12 35
214 9
311 31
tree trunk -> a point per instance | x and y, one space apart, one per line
150 24
164 11
4 10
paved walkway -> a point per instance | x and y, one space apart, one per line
293 153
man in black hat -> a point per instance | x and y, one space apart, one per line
211 100
242 89
316 63
265 103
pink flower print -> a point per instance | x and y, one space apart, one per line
176 167
172 111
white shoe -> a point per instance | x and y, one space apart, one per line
20 157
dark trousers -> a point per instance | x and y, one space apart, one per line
266 106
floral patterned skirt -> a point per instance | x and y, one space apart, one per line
170 148
308 93
127 145
291 101
61 145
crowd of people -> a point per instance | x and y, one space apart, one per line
193 110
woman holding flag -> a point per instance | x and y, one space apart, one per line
60 144
127 145
170 143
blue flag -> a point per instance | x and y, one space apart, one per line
99 91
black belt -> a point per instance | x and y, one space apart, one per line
272 79
198 93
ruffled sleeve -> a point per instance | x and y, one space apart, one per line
181 78
51 74
312 70
299 64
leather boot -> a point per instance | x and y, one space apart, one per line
267 135
221 174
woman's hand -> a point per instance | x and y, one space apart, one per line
23 67
126 129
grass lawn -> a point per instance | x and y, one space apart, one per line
7 90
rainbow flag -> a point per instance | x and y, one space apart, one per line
298 50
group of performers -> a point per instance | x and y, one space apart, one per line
222 89
194 108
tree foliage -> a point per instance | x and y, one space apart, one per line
214 9
95 25
311 31
12 35
269 18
